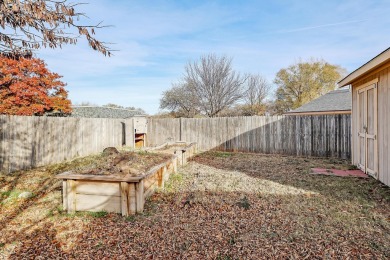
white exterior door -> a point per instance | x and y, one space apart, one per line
367 129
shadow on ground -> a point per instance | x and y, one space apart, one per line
294 171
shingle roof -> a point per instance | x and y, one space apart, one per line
336 100
103 112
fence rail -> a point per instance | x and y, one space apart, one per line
27 142
325 136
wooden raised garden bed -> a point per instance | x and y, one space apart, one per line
121 189
183 150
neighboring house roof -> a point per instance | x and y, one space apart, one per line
103 112
339 100
372 64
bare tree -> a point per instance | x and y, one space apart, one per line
254 97
214 83
180 100
33 24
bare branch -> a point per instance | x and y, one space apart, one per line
214 82
44 23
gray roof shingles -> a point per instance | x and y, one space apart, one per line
336 100
103 112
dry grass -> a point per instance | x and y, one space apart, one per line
221 206
170 149
123 163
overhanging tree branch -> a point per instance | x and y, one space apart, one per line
32 24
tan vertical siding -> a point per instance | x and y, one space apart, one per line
383 76
383 126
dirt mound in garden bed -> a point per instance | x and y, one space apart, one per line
171 148
123 163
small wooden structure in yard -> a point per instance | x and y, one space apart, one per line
125 195
140 131
138 128
370 86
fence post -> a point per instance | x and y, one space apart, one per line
180 131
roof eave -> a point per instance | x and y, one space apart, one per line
327 112
374 63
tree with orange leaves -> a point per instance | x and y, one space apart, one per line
28 88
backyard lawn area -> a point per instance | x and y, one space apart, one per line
219 206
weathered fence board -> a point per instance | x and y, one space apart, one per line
325 136
27 142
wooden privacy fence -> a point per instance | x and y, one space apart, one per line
27 142
324 136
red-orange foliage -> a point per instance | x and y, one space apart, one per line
27 87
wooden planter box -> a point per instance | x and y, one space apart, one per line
125 195
184 153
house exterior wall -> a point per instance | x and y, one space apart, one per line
383 85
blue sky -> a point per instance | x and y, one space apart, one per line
155 39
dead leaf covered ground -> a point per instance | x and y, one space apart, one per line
219 206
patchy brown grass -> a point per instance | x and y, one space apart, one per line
125 162
221 206
170 149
